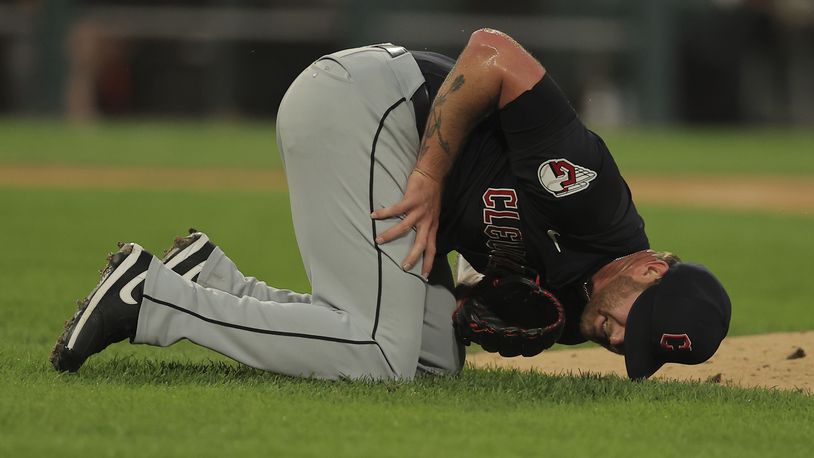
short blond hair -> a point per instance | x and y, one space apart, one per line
670 258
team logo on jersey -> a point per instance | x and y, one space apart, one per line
675 342
562 178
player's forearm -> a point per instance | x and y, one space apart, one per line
491 71
469 93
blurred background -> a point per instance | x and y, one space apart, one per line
622 62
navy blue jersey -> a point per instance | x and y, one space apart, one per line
532 184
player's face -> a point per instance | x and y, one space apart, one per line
616 286
605 315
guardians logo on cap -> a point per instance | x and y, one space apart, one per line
682 319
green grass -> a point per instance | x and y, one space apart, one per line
63 236
187 401
165 144
253 145
713 151
128 407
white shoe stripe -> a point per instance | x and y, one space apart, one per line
128 262
188 251
126 293
194 271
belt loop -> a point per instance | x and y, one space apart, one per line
391 49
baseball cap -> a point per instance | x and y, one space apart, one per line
682 319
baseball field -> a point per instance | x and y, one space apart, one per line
739 201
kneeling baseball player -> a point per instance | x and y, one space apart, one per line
531 199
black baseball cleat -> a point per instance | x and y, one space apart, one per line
110 312
187 255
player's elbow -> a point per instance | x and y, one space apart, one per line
490 38
485 49
504 59
489 46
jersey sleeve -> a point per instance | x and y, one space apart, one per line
552 153
538 118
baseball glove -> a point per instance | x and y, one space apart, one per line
507 312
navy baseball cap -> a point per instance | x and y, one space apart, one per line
682 319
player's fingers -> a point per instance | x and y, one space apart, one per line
391 211
415 251
405 226
429 252
429 258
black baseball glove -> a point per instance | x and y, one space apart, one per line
508 312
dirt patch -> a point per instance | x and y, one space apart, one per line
781 360
791 195
774 194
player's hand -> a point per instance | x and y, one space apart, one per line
421 207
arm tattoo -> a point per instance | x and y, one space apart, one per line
434 121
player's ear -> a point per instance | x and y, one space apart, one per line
656 268
651 270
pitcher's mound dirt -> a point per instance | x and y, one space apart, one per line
782 360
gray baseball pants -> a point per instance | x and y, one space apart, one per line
346 132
